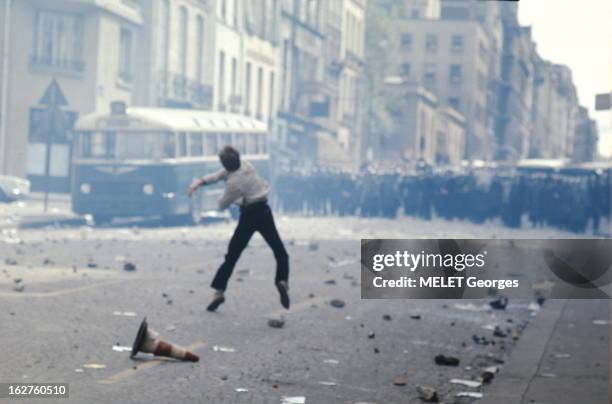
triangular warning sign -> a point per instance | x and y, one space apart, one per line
53 95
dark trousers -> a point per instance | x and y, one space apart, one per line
256 217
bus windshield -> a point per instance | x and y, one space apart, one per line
127 145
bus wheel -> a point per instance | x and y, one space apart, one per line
101 220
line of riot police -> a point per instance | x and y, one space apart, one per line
572 200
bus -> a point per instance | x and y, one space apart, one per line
139 161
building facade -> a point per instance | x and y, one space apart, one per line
451 59
62 59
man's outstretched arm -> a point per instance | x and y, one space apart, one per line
220 175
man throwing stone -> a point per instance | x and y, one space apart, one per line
247 189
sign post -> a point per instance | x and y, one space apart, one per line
55 120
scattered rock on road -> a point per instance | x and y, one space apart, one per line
386 317
19 287
337 303
499 304
129 266
276 323
427 394
415 316
444 360
400 381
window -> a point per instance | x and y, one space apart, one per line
453 102
200 48
455 74
125 55
127 146
457 43
259 92
234 76
406 41
196 144
224 10
212 144
235 14
165 34
182 144
271 97
58 41
221 81
247 90
431 43
429 75
405 69
184 39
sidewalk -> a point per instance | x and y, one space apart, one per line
31 213
563 358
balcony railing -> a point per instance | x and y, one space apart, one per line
68 65
175 86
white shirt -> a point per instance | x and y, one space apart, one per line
242 186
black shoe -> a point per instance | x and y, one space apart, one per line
284 294
217 301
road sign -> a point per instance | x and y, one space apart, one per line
55 121
54 96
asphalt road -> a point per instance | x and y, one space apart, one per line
71 312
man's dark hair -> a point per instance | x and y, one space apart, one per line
230 158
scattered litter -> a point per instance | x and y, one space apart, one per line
94 366
328 383
125 313
444 360
342 263
468 383
129 267
337 303
293 400
331 361
499 304
488 374
217 348
427 394
400 382
120 348
241 390
470 307
276 323
601 322
471 394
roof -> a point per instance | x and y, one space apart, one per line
171 119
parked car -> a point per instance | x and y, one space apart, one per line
13 188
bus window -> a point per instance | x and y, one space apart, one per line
238 140
182 144
196 144
251 144
212 146
226 139
263 143
98 145
169 147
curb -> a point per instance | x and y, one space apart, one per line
514 378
